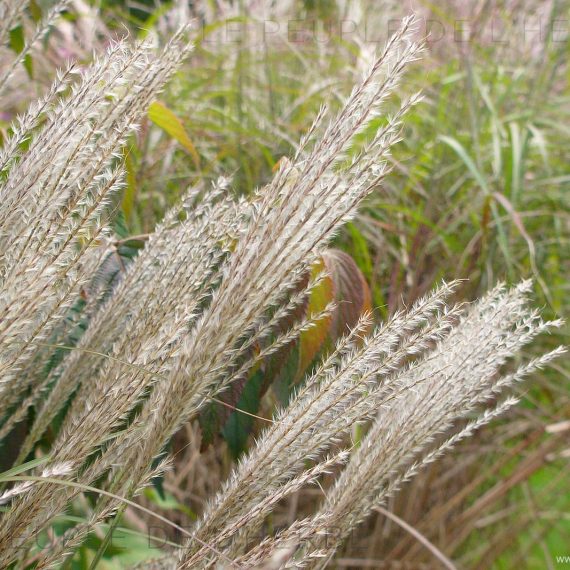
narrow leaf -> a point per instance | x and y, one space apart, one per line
164 118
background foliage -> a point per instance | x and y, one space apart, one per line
480 192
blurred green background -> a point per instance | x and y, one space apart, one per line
480 190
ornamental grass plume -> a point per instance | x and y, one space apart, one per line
201 305
412 405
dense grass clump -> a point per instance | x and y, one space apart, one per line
149 336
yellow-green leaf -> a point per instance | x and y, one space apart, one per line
311 341
130 191
35 11
164 118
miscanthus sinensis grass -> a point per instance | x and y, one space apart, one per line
215 280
